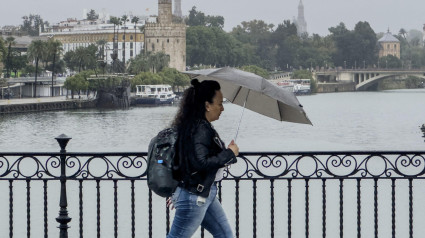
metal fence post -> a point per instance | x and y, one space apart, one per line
423 130
63 218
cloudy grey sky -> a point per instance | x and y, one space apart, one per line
319 14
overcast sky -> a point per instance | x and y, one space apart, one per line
319 14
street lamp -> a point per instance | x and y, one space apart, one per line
364 64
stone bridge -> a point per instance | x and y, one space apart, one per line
364 78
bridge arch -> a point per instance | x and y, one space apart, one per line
364 81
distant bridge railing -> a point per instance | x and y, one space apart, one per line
334 194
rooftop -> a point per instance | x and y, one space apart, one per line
388 37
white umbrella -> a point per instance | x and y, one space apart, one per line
255 93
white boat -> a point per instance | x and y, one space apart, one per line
154 94
297 86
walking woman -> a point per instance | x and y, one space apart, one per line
202 157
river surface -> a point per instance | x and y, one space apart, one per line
386 120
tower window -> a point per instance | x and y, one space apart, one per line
131 37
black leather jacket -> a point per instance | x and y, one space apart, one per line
209 154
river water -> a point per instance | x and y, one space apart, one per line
386 120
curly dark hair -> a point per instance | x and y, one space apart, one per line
191 111
192 106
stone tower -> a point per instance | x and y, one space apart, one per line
165 15
178 8
301 23
167 36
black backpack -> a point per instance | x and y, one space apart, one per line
160 160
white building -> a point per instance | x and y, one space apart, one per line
74 33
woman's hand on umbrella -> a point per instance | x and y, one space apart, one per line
234 147
170 203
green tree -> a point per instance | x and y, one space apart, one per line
198 18
36 52
32 24
76 83
256 70
213 46
257 35
195 18
18 62
124 19
174 78
146 78
135 20
153 62
91 15
365 44
390 62
116 22
354 47
53 50
140 63
82 58
288 44
10 41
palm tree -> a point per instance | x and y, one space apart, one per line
80 54
135 20
101 53
36 51
9 41
54 48
116 21
124 19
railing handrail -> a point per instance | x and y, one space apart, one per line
289 165
353 152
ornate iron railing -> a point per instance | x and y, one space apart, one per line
333 181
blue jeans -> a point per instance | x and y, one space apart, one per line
193 211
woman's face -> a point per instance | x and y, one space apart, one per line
214 109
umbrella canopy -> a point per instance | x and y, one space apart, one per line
255 93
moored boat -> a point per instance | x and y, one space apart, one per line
154 94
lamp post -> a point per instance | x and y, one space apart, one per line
364 64
63 218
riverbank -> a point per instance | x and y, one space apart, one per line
22 105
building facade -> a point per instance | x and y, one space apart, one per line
389 45
74 33
167 36
300 22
